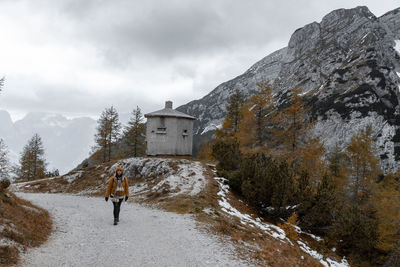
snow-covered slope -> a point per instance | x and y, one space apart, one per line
168 177
348 67
66 141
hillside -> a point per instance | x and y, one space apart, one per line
190 187
347 67
22 226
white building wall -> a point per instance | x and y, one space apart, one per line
174 140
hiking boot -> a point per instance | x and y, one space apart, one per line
115 221
118 219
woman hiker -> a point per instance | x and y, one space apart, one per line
117 189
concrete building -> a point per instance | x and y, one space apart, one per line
169 132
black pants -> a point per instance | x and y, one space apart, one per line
117 207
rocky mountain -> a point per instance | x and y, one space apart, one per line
348 67
66 141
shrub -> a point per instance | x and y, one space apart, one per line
227 153
4 184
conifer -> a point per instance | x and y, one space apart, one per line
134 134
108 132
364 168
256 123
4 161
233 115
32 161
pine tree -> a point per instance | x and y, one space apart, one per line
134 133
4 161
233 116
357 227
226 152
108 132
32 161
321 215
256 180
284 192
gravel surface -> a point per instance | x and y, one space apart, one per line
84 235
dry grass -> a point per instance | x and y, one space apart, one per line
91 179
252 245
23 225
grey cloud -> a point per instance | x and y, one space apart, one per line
172 36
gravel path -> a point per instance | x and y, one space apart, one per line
84 236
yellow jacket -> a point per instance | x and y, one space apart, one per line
112 186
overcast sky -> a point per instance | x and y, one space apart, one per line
76 57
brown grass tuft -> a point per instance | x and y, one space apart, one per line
24 225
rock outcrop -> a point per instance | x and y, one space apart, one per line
348 67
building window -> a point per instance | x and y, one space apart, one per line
161 130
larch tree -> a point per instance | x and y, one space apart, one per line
108 132
134 134
290 121
32 161
255 125
4 161
337 165
311 156
386 196
364 165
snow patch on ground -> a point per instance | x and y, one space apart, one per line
189 179
72 177
137 188
316 238
178 176
4 241
328 262
271 229
23 184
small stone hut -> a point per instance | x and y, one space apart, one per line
169 132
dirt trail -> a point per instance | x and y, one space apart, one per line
85 236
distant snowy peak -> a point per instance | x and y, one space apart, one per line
66 141
42 119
